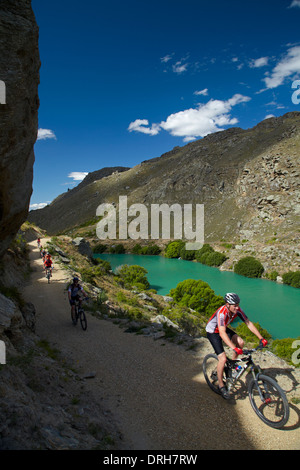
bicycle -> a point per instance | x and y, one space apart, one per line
267 398
48 274
78 313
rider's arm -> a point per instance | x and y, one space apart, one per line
253 329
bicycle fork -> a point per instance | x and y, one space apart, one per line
263 394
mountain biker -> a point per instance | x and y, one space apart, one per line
73 293
217 332
38 242
48 263
43 254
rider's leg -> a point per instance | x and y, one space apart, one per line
239 342
220 368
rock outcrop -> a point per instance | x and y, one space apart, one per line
19 66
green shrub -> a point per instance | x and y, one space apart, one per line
272 276
189 323
207 255
150 250
99 248
215 259
198 295
134 276
249 267
146 250
206 248
172 250
91 274
105 265
117 249
188 255
292 278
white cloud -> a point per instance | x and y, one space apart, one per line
261 62
195 122
295 3
139 126
201 92
179 67
39 205
289 65
77 175
44 134
166 58
269 116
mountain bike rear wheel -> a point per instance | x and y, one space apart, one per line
83 320
209 365
269 401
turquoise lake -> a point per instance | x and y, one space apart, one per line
275 306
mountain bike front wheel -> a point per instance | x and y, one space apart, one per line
83 320
269 401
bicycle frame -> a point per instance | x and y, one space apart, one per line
248 362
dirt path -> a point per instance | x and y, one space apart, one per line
154 389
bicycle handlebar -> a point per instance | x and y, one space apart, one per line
250 351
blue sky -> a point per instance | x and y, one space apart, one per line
125 81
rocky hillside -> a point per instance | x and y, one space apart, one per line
248 181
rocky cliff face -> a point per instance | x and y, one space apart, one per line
19 66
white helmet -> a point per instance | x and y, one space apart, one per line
232 298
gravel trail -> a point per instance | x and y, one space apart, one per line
155 390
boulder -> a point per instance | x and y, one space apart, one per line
83 247
10 316
19 72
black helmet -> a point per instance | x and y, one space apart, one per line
232 298
75 279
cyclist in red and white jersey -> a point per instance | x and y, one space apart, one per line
217 331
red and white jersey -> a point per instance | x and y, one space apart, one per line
222 317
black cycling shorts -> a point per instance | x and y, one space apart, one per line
73 299
216 340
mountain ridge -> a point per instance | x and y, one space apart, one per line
248 181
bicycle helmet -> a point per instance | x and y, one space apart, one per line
75 279
231 298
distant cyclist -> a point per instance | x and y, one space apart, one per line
43 253
74 293
48 263
38 242
217 332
